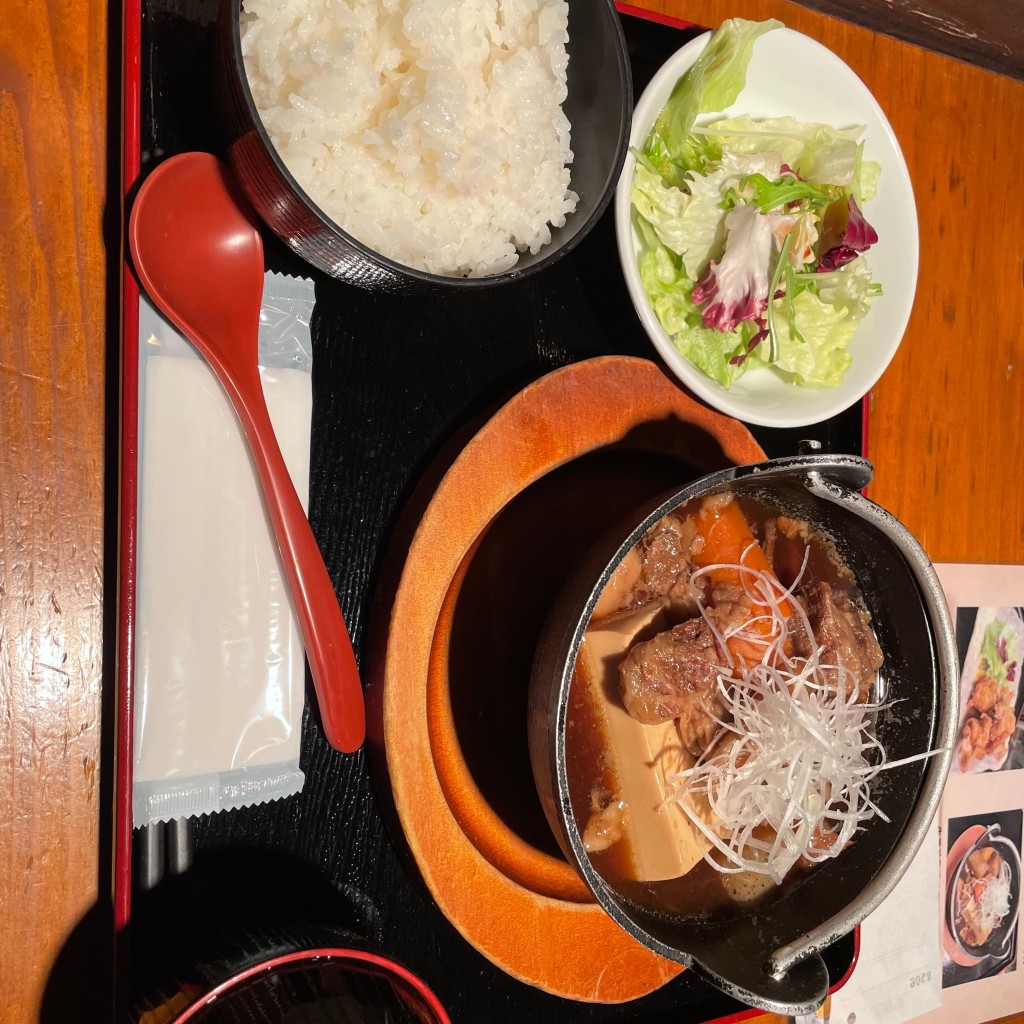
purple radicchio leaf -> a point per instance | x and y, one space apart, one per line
751 345
736 287
858 237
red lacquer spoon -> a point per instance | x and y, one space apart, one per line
198 254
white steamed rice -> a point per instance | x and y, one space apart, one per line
431 130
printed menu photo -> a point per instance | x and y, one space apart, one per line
991 643
981 896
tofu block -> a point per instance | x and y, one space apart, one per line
665 843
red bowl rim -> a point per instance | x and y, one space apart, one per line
321 952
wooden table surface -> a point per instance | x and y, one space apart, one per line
946 427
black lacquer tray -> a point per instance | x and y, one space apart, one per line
394 379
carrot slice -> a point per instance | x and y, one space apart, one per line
728 544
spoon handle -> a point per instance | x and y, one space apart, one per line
332 662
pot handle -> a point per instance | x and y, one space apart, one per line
801 989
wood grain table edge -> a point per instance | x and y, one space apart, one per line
58 384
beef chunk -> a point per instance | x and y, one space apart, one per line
665 565
842 630
729 605
675 675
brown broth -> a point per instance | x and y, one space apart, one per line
584 742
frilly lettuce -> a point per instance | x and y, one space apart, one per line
735 288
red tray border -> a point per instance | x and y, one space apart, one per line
129 462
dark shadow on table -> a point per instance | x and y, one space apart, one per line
79 989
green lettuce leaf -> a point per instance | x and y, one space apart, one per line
662 206
849 288
710 351
691 224
713 82
821 358
665 283
818 152
865 177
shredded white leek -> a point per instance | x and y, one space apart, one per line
762 590
994 902
997 898
795 751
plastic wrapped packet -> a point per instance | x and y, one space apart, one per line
219 663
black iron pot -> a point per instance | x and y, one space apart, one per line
769 956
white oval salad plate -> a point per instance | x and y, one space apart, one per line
825 368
